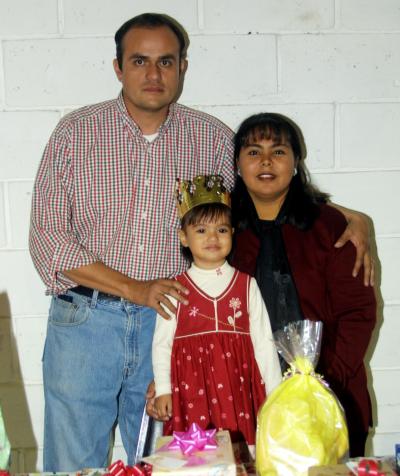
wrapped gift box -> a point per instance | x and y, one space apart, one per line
344 470
216 462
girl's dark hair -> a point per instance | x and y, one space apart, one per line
206 213
151 20
303 197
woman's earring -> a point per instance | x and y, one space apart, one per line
238 172
294 171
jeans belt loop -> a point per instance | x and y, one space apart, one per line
94 298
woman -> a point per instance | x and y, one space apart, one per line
285 236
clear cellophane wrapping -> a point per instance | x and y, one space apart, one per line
301 424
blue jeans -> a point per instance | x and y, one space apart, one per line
96 369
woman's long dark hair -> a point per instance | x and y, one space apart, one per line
303 198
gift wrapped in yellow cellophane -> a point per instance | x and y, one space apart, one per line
300 425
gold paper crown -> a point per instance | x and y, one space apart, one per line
201 190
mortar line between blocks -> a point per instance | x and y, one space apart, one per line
337 15
2 75
200 14
7 214
278 64
61 17
336 135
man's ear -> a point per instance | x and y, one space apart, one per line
183 66
117 70
183 239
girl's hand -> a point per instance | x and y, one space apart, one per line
163 406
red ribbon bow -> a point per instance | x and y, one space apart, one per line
369 467
119 469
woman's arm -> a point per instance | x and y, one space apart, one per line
358 232
354 311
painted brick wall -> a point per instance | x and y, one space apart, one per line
331 65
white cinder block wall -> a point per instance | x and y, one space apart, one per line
332 65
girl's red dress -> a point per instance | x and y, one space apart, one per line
215 378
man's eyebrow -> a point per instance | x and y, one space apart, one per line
137 56
144 57
168 56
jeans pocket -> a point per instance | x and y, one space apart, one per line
64 313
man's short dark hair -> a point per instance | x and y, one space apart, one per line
152 20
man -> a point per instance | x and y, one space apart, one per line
104 240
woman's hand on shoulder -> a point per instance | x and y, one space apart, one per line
358 232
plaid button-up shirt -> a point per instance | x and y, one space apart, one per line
104 193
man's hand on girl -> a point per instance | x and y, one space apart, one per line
157 294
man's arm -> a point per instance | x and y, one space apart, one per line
145 293
56 252
358 232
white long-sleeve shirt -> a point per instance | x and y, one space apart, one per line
213 284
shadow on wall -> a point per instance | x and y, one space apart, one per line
13 399
374 338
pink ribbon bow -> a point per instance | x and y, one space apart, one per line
195 439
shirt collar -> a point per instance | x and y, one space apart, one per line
220 271
131 124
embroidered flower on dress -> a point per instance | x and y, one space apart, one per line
193 311
235 304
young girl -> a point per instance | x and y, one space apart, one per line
215 361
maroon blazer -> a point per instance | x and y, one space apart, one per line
328 293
